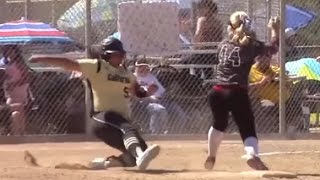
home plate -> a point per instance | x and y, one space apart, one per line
269 174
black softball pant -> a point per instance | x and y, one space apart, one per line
116 131
234 99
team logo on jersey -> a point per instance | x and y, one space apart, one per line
118 78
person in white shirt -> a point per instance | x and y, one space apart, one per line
158 113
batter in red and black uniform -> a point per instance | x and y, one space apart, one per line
236 56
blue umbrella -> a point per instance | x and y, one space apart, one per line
297 18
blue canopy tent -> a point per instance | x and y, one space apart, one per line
298 18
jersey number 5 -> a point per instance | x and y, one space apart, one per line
126 92
232 56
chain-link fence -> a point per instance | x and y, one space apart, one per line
35 98
53 101
301 61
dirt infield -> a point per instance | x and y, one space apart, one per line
178 160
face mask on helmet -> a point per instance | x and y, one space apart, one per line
248 26
4 60
246 22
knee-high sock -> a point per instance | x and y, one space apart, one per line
214 140
133 142
251 146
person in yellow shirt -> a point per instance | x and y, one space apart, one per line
112 85
263 80
266 86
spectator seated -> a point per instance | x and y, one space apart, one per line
264 90
310 68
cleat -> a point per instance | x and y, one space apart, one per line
113 162
97 164
105 163
256 163
148 155
209 163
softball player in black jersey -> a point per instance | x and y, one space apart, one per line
230 94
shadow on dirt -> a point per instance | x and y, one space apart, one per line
309 174
157 171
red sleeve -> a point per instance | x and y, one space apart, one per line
272 47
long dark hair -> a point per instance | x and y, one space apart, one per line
16 56
15 52
210 4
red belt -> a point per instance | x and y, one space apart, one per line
227 86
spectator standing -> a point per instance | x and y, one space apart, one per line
209 27
185 34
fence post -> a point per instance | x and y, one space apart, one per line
88 103
88 41
249 7
88 33
268 16
194 16
3 10
27 6
54 17
282 60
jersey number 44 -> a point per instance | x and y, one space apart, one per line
229 56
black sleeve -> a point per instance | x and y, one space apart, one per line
264 49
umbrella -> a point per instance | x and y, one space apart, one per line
297 18
31 32
74 17
308 67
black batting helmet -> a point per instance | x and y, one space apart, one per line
106 47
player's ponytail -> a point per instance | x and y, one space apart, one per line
240 28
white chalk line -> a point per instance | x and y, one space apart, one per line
288 152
